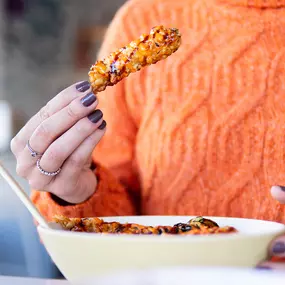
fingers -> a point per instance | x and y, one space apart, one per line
83 153
71 151
278 193
57 124
75 165
60 101
276 255
65 145
277 247
272 265
65 132
53 127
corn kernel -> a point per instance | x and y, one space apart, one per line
139 53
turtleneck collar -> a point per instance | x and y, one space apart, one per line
262 4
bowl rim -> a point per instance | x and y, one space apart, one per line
278 230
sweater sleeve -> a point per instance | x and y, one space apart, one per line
109 199
118 188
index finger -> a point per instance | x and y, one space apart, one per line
53 106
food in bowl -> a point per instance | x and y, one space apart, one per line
195 226
160 43
81 255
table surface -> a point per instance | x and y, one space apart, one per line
170 276
7 280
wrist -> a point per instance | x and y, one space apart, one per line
79 194
60 201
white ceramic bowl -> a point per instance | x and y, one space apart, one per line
86 255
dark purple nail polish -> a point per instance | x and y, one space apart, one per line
282 188
95 116
83 86
278 248
103 125
263 267
88 99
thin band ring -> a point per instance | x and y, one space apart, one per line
32 151
46 172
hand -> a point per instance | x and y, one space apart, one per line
65 132
277 247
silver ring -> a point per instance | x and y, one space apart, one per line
46 172
33 152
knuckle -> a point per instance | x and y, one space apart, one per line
56 156
76 161
35 183
14 145
82 127
43 131
95 137
92 140
68 94
44 112
72 110
21 170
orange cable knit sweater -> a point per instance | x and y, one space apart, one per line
202 132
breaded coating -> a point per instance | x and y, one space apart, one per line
147 50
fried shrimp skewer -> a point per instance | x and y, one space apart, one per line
147 50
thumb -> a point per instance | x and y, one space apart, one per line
278 193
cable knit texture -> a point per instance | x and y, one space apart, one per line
202 132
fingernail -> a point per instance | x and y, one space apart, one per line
96 116
278 247
282 188
262 267
103 125
88 99
83 86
